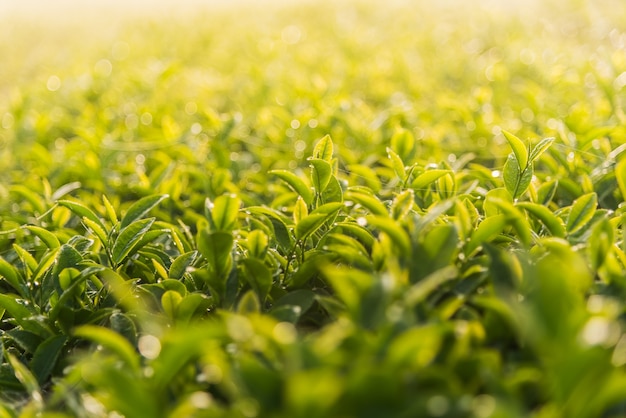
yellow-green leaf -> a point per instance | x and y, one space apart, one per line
519 149
582 211
323 150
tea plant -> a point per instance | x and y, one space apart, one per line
314 230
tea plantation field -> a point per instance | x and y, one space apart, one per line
317 210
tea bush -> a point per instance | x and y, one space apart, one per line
323 210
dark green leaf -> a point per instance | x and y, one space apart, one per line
46 357
25 376
258 276
124 325
303 298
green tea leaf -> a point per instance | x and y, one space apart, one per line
582 211
545 215
170 301
180 264
620 176
546 192
309 224
215 247
140 208
19 309
540 148
489 207
112 341
12 276
127 239
600 242
25 377
258 276
249 303
110 210
299 210
67 257
46 357
321 172
124 325
303 298
296 183
45 236
427 178
28 260
257 243
323 150
396 163
191 304
370 202
403 143
419 291
82 211
97 230
30 196
517 220
519 149
313 221
402 204
397 234
486 230
516 181
225 211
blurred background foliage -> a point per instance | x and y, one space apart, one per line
179 237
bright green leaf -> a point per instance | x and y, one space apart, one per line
45 236
127 239
141 207
519 149
582 211
323 150
296 183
